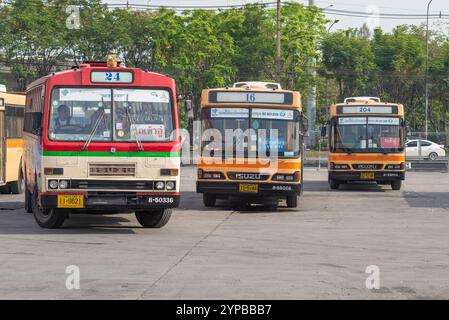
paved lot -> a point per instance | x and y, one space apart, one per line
320 250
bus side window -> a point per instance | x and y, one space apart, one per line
14 122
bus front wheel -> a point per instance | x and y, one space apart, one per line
18 186
334 184
153 218
209 199
28 205
292 201
46 218
396 185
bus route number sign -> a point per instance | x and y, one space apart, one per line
251 97
111 77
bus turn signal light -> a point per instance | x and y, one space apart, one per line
209 175
53 171
286 177
339 166
169 172
395 166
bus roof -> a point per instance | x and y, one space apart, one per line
16 99
81 75
372 108
292 99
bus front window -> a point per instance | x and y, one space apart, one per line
275 131
367 134
141 114
77 113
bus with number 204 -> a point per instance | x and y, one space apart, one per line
101 138
366 142
252 145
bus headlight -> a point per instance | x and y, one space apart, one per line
53 184
160 185
170 185
63 184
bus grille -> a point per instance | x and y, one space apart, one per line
122 170
111 185
368 166
253 176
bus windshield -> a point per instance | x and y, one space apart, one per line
367 134
272 130
106 114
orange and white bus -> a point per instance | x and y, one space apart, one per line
366 142
101 138
11 129
261 165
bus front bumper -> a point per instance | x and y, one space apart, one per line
113 202
262 189
357 175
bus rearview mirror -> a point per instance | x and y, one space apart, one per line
323 131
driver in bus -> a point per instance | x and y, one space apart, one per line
62 122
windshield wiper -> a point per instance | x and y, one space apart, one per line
128 116
91 134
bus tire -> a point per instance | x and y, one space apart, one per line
28 206
153 218
209 200
5 189
334 184
292 201
396 185
18 186
51 218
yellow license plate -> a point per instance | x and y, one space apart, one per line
70 201
246 187
367 175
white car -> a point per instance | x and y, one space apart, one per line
429 150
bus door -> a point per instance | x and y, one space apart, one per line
2 147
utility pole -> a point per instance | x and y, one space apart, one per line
278 42
427 71
311 101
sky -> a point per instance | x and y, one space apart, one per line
381 6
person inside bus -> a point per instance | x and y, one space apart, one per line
62 122
102 125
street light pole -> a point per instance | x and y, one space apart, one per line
278 42
334 22
427 70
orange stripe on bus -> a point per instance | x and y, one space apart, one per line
363 157
14 143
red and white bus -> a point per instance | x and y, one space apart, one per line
101 138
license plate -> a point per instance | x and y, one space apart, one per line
70 201
367 175
251 188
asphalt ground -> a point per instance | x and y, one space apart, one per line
321 250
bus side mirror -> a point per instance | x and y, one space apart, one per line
304 125
323 131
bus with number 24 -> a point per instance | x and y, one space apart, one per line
100 138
